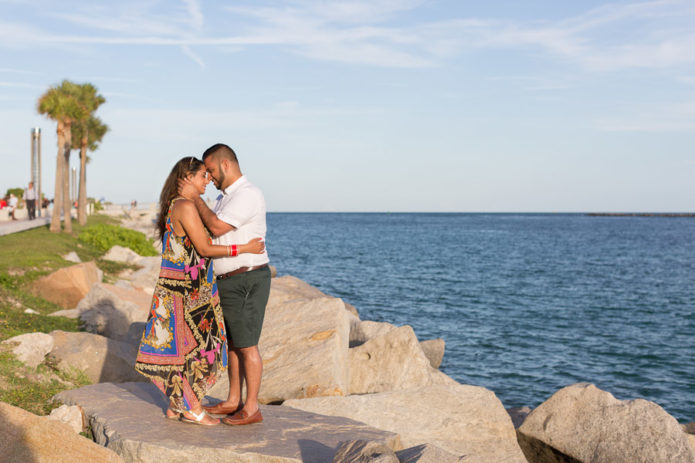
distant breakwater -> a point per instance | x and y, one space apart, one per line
641 214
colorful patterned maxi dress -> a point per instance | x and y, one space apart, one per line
184 346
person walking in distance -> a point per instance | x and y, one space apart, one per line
243 280
30 200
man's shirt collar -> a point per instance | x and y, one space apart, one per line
235 186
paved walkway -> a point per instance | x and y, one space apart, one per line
14 226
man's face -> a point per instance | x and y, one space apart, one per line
214 169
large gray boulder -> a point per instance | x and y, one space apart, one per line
689 429
121 254
26 437
68 285
129 419
101 359
464 420
389 362
109 310
367 329
288 288
70 415
581 423
31 348
434 351
146 277
304 346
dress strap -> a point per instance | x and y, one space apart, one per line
171 203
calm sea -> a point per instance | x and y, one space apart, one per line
527 303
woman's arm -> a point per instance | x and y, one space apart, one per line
186 214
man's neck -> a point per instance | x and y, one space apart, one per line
230 180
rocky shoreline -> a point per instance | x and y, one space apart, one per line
335 389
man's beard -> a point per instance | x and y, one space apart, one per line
221 174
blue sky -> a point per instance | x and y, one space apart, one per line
374 105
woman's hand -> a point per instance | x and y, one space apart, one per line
255 246
187 189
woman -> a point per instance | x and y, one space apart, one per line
184 346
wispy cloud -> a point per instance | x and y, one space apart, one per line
18 71
20 85
195 12
188 52
646 34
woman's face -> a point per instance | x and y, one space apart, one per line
200 179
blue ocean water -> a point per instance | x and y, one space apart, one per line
527 303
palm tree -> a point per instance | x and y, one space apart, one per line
61 104
86 136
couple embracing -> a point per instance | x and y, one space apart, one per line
205 318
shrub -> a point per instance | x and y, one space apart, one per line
105 236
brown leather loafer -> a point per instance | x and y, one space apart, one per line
243 417
219 409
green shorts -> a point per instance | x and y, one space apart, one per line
243 299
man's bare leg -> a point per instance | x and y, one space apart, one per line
235 373
252 365
236 377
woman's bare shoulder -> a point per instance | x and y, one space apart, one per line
183 206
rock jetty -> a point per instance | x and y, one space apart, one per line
335 389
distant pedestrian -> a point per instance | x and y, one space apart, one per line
12 205
30 200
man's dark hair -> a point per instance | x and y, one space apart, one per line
220 151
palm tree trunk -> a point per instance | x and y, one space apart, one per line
67 204
82 201
58 193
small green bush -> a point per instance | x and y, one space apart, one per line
105 236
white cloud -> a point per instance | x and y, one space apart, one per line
195 12
20 85
188 52
648 34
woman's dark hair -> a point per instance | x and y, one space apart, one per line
182 169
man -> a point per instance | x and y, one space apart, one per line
30 200
243 281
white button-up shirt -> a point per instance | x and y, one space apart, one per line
242 206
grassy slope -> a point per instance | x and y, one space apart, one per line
24 257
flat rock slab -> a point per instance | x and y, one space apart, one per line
128 418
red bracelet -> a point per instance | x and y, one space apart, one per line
235 250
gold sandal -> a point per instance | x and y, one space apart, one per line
198 419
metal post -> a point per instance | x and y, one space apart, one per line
36 166
74 185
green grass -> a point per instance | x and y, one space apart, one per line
25 257
33 388
40 250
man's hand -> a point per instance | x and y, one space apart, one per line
187 189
